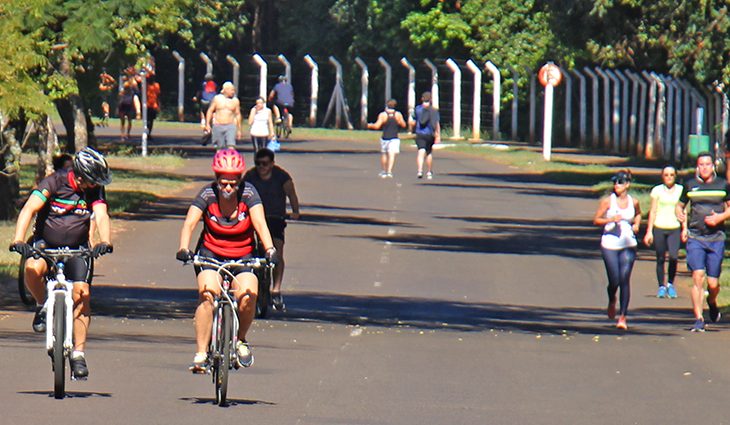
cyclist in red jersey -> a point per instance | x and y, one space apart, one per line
230 211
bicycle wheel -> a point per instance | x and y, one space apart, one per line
264 297
25 296
59 365
224 365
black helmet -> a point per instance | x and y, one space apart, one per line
91 166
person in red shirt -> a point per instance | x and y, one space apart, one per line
231 212
153 103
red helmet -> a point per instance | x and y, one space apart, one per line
228 161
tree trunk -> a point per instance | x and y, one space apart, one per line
63 106
80 135
47 148
256 28
10 175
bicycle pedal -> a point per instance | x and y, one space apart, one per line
200 371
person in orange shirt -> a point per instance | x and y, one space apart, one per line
153 102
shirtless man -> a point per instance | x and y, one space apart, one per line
225 113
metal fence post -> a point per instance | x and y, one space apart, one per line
411 96
456 121
496 97
388 77
236 70
314 83
263 71
364 79
476 100
434 83
180 86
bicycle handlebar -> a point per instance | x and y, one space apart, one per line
51 255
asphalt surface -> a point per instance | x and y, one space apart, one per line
474 298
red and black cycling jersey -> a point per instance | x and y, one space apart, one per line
228 237
65 218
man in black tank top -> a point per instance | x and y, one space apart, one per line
389 120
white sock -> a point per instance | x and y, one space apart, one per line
77 354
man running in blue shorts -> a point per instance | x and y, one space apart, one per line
704 232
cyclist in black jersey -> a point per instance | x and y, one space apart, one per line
63 205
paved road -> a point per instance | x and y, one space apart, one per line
474 298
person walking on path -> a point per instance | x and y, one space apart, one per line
274 185
153 103
620 215
223 119
389 120
205 95
426 122
664 229
128 108
262 124
709 200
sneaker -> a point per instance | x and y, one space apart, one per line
714 312
671 292
429 176
383 175
699 326
245 356
200 363
419 175
277 302
79 370
39 320
621 324
389 175
662 292
611 310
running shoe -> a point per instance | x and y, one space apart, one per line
420 174
699 326
277 302
611 310
245 355
39 320
389 175
429 176
200 363
621 324
671 292
662 292
383 175
714 312
79 371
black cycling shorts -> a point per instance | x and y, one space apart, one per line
276 227
76 269
205 252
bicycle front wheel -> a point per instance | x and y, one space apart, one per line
59 364
25 296
224 365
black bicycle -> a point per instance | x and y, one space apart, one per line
222 354
264 276
283 129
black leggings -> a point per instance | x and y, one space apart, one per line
666 240
619 263
258 142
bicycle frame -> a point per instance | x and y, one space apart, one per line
57 283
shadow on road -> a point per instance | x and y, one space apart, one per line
231 402
69 394
569 238
444 315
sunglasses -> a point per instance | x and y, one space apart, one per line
262 163
621 181
227 183
669 175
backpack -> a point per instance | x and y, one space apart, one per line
423 123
